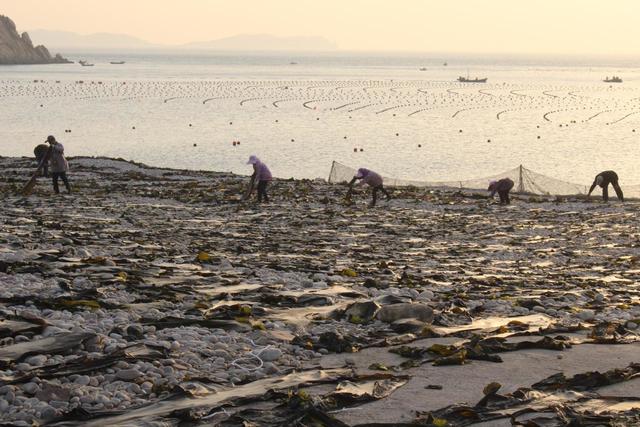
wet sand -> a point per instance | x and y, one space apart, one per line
153 284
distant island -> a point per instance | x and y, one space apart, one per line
16 49
68 41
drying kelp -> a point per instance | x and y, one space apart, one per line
589 380
290 398
179 284
533 407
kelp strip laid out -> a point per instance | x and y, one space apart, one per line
148 287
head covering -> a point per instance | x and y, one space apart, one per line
362 172
253 160
51 138
599 179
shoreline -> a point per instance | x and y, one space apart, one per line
158 292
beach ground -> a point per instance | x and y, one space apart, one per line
156 294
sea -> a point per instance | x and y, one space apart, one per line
403 115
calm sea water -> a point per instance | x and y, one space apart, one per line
299 112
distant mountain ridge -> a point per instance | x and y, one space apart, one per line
265 42
18 49
69 40
248 42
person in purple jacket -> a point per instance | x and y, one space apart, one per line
58 164
372 179
502 187
261 175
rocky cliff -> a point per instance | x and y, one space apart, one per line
18 49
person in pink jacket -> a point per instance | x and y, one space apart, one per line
372 179
261 175
58 165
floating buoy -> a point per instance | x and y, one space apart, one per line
488 140
133 127
195 145
293 140
419 145
345 137
230 123
190 125
460 131
238 142
362 149
397 134
276 121
538 136
317 118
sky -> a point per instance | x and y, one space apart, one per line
472 26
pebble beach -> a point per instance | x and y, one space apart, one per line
158 297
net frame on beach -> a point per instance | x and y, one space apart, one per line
526 182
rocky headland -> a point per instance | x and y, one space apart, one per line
18 49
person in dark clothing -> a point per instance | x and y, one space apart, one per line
603 179
502 187
40 152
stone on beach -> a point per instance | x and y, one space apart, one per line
271 354
394 312
128 374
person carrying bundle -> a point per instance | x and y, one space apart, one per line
372 179
603 179
261 175
502 187
41 152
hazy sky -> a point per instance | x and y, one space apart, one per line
518 26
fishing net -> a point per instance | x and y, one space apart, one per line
526 181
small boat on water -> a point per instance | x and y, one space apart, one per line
468 80
116 62
85 64
613 79
423 69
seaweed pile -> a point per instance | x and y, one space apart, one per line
160 294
